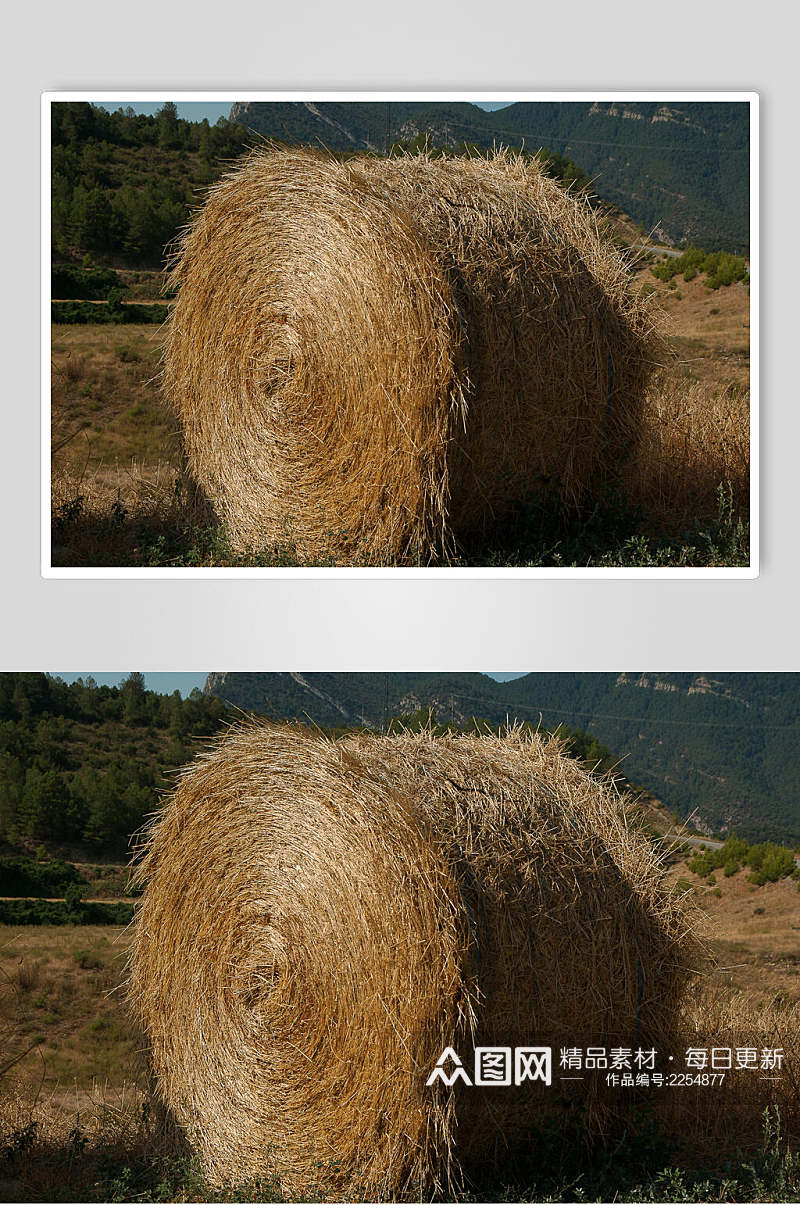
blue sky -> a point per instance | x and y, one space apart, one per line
166 683
196 110
191 110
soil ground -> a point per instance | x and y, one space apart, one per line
754 932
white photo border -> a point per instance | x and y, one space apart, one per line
133 96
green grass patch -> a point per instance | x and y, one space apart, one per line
145 1163
612 534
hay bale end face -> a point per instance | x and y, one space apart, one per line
376 358
321 919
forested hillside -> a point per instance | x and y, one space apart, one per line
123 184
83 765
680 168
724 746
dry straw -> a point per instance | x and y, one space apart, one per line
694 438
726 1018
322 918
376 358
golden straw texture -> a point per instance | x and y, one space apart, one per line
375 358
322 918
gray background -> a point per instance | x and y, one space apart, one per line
454 624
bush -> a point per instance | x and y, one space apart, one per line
720 267
702 865
57 912
22 876
85 284
87 312
768 862
73 897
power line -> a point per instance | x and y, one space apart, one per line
533 134
635 719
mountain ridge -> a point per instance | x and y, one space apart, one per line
721 746
683 172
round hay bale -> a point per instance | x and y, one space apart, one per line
376 358
321 919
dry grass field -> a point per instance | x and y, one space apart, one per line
78 1120
121 494
709 329
109 429
754 934
60 999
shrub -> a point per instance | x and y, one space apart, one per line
702 865
85 284
56 912
720 267
86 312
23 876
768 862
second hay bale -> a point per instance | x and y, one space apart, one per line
322 919
377 358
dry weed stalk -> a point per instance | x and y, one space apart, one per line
694 438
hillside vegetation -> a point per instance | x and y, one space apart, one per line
123 185
680 168
81 766
722 747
